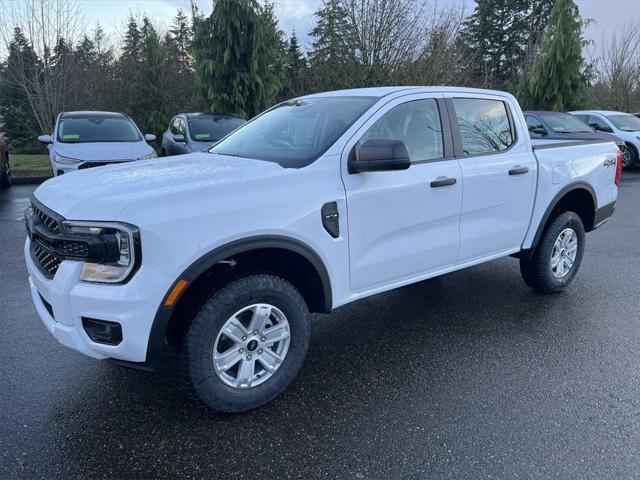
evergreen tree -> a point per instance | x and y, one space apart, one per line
179 64
237 52
560 77
21 125
296 71
332 58
179 39
129 68
496 33
152 89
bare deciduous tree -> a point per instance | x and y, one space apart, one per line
52 27
385 35
617 82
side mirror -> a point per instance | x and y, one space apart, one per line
178 137
595 126
149 137
539 131
45 139
379 156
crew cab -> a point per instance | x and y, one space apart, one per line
316 203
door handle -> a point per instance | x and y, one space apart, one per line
443 182
519 170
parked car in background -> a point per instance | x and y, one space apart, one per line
91 139
195 132
5 169
550 127
314 204
623 125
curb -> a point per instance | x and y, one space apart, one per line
28 180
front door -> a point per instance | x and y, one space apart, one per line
404 224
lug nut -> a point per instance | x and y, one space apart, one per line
241 350
263 339
244 337
248 357
260 351
255 332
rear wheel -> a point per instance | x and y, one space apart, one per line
5 175
246 344
557 258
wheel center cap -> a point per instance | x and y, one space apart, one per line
252 345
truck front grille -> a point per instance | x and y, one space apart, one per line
47 262
51 223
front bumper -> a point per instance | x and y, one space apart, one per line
133 305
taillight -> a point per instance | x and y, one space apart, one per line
618 168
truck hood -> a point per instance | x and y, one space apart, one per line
102 193
103 151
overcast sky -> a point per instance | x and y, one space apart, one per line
607 15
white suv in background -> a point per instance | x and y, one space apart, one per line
623 125
91 139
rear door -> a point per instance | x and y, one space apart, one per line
404 224
498 174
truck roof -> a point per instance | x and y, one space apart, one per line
384 91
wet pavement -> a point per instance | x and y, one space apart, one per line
470 375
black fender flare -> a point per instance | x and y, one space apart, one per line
197 268
554 203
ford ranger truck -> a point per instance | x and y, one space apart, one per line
317 202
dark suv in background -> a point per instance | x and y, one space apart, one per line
195 132
558 126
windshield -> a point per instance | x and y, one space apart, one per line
297 132
212 129
626 123
564 123
97 129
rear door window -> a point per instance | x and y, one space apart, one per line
484 125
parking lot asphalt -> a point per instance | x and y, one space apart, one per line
470 375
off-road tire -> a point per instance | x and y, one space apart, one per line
537 270
195 353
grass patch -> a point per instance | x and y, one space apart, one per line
30 165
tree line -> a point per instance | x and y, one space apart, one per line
238 60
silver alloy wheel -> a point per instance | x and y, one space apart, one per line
563 254
251 346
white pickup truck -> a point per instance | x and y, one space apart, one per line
318 202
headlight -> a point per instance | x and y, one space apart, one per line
121 250
148 157
64 160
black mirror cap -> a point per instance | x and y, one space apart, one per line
379 156
539 131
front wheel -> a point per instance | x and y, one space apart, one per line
557 258
629 157
5 175
246 344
